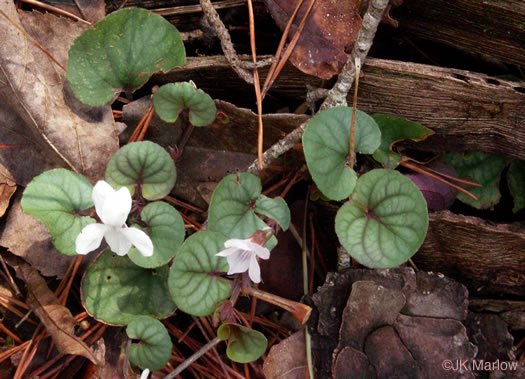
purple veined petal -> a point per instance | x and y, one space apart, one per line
227 252
254 272
90 238
117 241
116 208
140 240
239 262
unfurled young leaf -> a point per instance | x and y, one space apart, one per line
244 344
172 98
154 349
57 198
325 144
120 53
144 164
385 222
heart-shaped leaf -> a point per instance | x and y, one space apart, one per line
120 53
516 182
172 98
56 198
234 203
154 349
276 209
325 144
195 280
145 164
395 129
482 168
166 229
244 344
385 222
115 290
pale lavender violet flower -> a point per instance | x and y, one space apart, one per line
242 254
112 208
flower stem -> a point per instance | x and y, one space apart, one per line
300 311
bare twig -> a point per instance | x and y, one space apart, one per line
341 88
278 149
337 95
226 43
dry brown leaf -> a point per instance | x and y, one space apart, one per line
36 117
56 318
89 10
25 235
287 359
32 94
6 191
330 29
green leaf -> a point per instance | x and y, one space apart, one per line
120 53
142 163
115 290
166 229
385 222
276 209
195 280
516 182
244 345
325 144
154 349
395 129
56 198
172 98
482 168
233 206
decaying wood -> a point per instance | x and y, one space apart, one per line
468 111
488 258
512 312
494 29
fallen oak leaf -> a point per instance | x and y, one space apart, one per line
331 28
57 319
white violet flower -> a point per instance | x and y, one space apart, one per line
144 374
242 256
112 208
